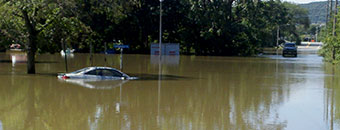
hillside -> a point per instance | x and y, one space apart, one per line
317 11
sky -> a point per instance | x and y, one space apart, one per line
303 1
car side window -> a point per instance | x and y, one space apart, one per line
92 72
116 73
106 73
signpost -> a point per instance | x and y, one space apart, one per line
121 53
121 46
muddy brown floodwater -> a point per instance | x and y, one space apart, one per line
190 92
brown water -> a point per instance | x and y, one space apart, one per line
268 92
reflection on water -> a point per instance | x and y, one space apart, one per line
94 124
18 58
331 98
166 59
96 83
207 93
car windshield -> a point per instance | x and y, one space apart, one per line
290 45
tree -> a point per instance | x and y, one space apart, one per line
30 16
330 49
204 27
33 21
297 17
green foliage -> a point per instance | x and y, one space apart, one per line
331 43
10 27
221 27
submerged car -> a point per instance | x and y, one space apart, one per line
289 50
98 73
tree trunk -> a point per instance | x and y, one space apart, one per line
32 39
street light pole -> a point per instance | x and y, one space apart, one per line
160 27
277 39
316 34
277 36
160 59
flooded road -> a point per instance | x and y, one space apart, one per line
268 92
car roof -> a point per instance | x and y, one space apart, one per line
87 69
98 67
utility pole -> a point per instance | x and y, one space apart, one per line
160 60
277 36
331 9
277 39
65 53
316 34
160 27
334 17
334 26
327 15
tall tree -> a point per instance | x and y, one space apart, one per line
31 14
204 27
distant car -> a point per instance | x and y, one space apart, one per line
96 73
289 49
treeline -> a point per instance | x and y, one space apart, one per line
202 27
330 33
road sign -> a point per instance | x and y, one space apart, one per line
121 46
121 53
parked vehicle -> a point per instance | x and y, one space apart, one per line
101 73
289 49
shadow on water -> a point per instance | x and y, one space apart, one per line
45 62
25 74
156 77
5 61
38 62
47 74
